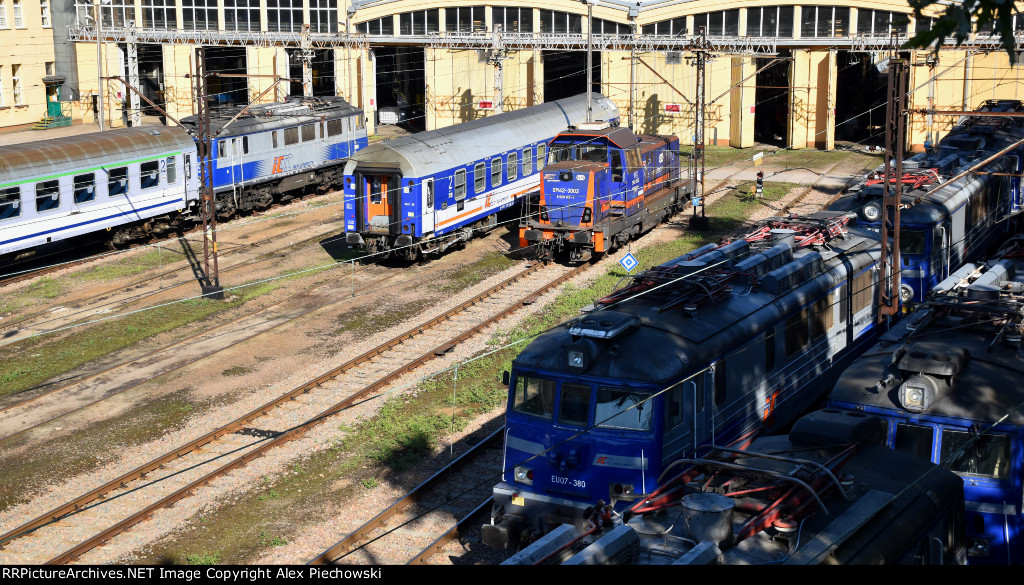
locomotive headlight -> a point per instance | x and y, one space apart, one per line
524 475
576 360
872 211
906 293
586 215
543 213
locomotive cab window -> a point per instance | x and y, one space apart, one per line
10 202
149 174
245 145
617 165
223 149
273 139
560 153
534 396
574 406
622 408
479 178
596 153
976 455
85 187
912 241
914 439
117 181
47 195
513 167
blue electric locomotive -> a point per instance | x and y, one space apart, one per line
941 228
423 193
273 151
723 341
946 381
601 186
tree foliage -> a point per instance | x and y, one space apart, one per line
955 21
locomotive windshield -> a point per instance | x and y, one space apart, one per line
912 241
614 408
534 396
985 455
622 408
561 151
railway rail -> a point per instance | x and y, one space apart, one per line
431 515
133 497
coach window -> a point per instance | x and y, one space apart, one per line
10 202
479 178
495 172
47 195
291 136
513 166
984 455
117 181
85 187
149 174
527 161
460 184
172 171
914 439
574 406
534 396
623 408
308 132
541 150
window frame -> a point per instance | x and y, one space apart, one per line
479 178
495 171
110 180
8 199
41 194
76 186
512 168
154 174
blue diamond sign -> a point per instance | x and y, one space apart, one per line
628 262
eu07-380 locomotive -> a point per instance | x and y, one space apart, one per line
602 186
723 341
129 184
421 194
946 382
944 224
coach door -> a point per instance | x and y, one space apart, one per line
381 194
428 206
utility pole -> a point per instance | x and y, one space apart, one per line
892 185
632 70
496 56
132 44
100 105
590 62
207 209
697 162
307 63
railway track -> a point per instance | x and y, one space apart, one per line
433 514
92 518
18 329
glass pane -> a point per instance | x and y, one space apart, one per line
914 439
841 22
575 404
513 167
754 22
619 408
972 454
495 172
786 22
149 174
10 202
808 21
117 181
172 171
47 195
911 241
85 188
534 396
732 22
479 178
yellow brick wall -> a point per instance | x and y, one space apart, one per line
31 47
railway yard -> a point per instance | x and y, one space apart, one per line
292 421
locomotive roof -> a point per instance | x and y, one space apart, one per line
621 137
61 155
670 344
427 153
266 117
986 387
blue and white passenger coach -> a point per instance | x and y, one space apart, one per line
274 151
131 182
943 224
423 193
723 341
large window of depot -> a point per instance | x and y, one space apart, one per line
465 19
770 21
824 21
513 19
722 22
881 22
420 22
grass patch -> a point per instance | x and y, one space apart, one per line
816 160
203 559
731 211
238 371
47 288
467 275
359 323
81 450
133 265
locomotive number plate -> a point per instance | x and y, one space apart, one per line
579 483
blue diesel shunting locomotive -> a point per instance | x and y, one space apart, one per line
424 193
946 381
722 341
273 151
601 186
945 224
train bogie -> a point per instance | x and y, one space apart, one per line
425 193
